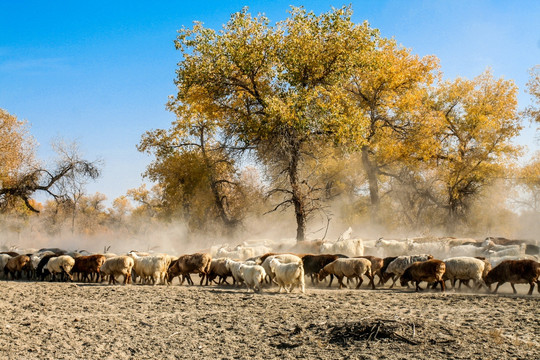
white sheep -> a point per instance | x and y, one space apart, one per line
465 268
234 268
287 276
151 268
349 247
116 266
253 276
283 258
393 247
60 265
4 258
348 267
401 263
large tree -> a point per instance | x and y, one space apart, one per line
276 89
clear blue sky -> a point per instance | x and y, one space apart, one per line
99 72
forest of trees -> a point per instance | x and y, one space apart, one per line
315 119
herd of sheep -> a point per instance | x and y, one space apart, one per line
259 265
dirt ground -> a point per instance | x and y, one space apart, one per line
94 321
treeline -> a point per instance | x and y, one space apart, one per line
323 121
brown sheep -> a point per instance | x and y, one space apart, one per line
515 272
88 265
218 268
186 264
15 265
313 264
430 271
350 268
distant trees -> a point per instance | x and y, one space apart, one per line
21 175
309 97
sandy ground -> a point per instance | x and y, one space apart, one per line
94 321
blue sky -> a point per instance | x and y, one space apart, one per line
100 72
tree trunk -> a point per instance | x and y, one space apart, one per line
230 224
297 196
371 172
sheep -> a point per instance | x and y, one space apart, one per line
115 266
349 267
253 276
283 258
398 266
35 259
291 274
28 268
88 265
430 270
393 247
515 272
314 263
151 268
3 260
234 268
218 268
349 247
61 265
465 268
41 269
187 264
15 265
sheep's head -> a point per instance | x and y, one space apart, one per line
273 264
322 274
405 278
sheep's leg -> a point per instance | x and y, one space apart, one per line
360 281
418 288
442 285
538 286
331 279
513 288
371 280
532 287
340 281
497 288
202 280
394 279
